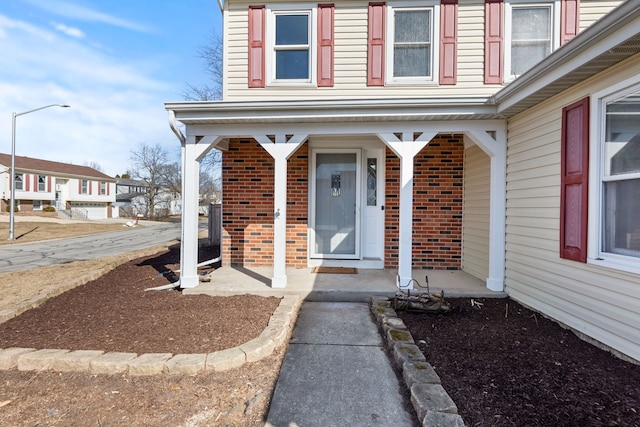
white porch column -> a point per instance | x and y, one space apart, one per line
406 149
192 153
496 149
281 150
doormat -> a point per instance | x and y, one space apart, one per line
335 270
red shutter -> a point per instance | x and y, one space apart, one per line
256 46
89 185
493 41
569 20
35 183
49 184
79 186
574 181
448 42
325 44
375 61
107 184
26 182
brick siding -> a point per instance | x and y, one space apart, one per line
437 205
248 205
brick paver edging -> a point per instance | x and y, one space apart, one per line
273 336
431 402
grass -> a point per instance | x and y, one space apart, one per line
27 231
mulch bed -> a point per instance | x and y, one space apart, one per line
505 365
114 313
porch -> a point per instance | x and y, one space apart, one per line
358 287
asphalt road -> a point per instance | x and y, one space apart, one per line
26 256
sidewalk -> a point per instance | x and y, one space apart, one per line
336 372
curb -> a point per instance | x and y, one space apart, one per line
431 402
273 336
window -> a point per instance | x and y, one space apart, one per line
411 48
103 188
620 175
532 34
84 186
18 181
291 39
42 183
37 205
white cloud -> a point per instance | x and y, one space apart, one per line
74 11
114 104
70 31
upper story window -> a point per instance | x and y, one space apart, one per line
103 188
532 33
18 181
411 42
291 41
84 186
42 183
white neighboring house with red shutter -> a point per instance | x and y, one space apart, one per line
496 137
74 191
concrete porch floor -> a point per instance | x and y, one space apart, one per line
358 287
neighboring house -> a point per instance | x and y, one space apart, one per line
78 191
495 137
132 199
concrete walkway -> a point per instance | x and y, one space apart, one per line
336 372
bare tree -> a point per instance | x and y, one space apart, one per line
149 163
94 165
211 53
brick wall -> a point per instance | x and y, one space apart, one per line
437 205
248 205
247 234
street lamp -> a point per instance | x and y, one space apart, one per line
12 203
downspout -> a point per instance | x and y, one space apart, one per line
174 127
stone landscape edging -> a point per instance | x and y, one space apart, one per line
431 402
273 336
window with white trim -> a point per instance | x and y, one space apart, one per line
84 187
619 173
412 44
103 188
18 181
531 34
37 205
42 183
291 46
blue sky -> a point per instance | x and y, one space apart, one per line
114 62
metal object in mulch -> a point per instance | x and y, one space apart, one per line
424 302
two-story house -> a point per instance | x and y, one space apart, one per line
496 137
80 191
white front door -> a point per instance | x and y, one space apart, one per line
335 204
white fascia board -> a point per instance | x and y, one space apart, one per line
363 110
615 28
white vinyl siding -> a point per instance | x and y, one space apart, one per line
591 11
350 54
475 219
599 302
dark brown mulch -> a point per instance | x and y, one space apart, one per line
114 313
505 365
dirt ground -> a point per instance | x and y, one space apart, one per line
114 313
505 365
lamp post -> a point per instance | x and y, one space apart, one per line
12 181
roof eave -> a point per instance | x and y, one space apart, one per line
596 46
